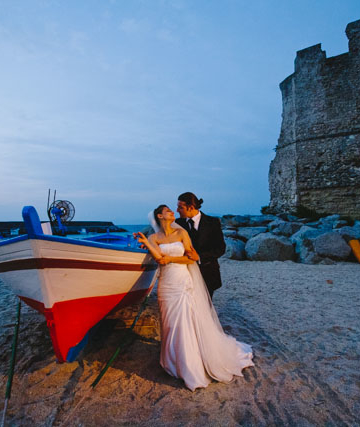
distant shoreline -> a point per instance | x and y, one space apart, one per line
13 228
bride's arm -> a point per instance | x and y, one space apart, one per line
154 249
190 254
151 244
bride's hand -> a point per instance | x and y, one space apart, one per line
163 260
192 254
141 238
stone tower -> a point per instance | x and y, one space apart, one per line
317 162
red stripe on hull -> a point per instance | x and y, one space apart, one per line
41 263
39 306
69 321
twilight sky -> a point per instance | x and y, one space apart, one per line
121 105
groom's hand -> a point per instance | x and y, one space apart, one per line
192 254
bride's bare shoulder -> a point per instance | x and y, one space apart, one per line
181 232
154 238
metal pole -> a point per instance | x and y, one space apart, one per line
12 362
48 203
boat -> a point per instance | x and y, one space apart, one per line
74 283
355 246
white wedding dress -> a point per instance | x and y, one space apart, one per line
194 346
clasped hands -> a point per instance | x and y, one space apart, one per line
191 254
165 259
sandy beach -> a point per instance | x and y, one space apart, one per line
302 321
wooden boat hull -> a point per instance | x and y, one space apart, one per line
74 283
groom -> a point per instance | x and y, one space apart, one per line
206 236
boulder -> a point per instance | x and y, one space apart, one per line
235 249
332 245
247 233
235 220
285 216
327 222
303 220
260 220
230 232
304 247
275 223
329 218
267 247
349 233
305 232
287 228
226 220
306 253
314 224
340 223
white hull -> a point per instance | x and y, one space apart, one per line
51 285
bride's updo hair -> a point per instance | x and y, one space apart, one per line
191 200
158 211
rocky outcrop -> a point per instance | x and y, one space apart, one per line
287 237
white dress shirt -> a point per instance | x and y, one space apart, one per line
196 220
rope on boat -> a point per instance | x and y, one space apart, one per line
125 342
12 363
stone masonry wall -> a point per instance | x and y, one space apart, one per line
317 162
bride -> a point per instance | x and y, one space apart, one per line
194 346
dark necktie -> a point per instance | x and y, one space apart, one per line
191 225
192 231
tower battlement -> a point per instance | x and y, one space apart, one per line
317 162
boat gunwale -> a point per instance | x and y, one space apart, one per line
14 239
79 242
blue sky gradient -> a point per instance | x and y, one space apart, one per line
123 105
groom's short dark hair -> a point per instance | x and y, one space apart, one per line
191 200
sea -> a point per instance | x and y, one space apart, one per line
132 228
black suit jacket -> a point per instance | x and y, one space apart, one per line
210 245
